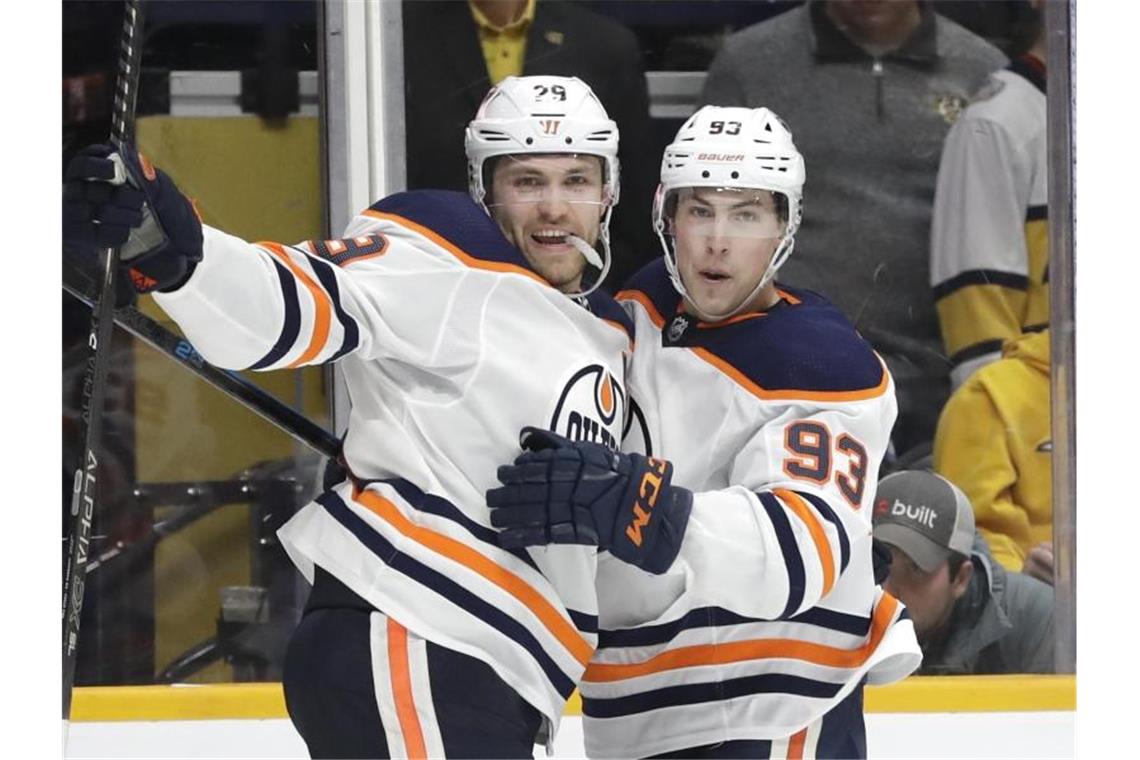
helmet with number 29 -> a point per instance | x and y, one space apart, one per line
536 117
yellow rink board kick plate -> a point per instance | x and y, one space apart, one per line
920 694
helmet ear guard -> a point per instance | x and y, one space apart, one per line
537 115
731 147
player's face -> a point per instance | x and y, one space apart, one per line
724 240
538 200
928 596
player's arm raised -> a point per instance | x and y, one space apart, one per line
251 305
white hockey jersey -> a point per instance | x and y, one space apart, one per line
769 616
989 241
449 344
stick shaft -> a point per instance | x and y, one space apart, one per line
178 349
87 477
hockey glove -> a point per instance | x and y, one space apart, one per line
111 200
564 492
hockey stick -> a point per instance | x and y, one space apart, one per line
177 348
87 476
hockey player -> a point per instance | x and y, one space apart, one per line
422 635
755 639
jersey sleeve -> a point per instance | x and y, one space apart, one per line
797 519
979 262
267 306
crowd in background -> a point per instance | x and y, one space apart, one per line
926 226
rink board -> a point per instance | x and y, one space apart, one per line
929 717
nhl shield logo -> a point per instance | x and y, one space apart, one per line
677 328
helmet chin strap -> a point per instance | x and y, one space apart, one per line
675 276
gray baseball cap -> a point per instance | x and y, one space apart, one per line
924 515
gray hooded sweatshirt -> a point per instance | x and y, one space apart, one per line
1002 624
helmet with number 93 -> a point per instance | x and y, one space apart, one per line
546 115
732 148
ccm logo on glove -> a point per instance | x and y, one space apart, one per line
647 497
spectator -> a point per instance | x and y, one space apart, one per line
969 614
870 90
994 441
455 51
989 245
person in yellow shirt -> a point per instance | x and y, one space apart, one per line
994 442
454 50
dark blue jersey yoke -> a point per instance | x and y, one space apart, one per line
802 343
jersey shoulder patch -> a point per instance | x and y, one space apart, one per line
464 227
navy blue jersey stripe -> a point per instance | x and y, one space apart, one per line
658 634
1036 213
583 621
836 621
717 691
713 617
441 507
980 277
793 562
978 349
448 589
327 277
292 325
829 515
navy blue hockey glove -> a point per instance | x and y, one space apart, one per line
111 200
565 492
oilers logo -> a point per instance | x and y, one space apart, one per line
591 407
635 437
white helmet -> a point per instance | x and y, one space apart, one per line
544 115
723 147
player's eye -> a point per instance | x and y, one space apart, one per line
746 216
527 181
700 212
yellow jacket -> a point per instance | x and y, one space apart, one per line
993 441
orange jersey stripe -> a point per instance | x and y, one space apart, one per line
731 320
442 242
788 297
756 649
790 394
402 691
322 304
559 626
641 298
818 537
796 745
